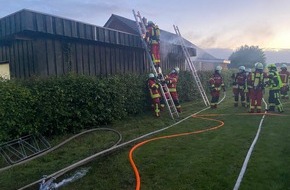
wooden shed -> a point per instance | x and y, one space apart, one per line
37 44
40 44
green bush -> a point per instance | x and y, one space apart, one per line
68 104
16 110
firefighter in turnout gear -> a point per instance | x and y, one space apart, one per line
155 95
256 85
152 38
216 84
171 81
247 90
284 75
274 85
239 82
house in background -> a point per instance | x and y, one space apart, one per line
201 59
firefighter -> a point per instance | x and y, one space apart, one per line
216 84
239 86
152 38
274 85
155 95
284 75
247 89
171 81
256 84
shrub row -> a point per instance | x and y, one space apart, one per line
59 105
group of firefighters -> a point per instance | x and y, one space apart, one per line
248 86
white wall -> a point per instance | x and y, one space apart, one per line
4 70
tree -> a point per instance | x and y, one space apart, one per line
247 56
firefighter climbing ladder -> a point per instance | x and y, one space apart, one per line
192 68
164 89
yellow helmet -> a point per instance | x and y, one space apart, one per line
272 67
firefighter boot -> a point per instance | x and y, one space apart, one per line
178 109
236 104
244 104
271 108
157 111
252 110
258 110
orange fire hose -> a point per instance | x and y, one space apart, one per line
137 176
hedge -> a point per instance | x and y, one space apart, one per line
68 104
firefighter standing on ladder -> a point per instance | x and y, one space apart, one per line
256 84
153 87
239 85
216 84
152 38
171 81
285 75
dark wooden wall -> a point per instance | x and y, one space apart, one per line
44 57
37 44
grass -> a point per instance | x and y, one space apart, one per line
208 160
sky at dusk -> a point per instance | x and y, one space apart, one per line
226 24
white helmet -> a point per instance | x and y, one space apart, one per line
242 68
218 68
259 65
284 66
177 69
151 75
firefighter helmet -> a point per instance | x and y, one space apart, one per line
242 68
259 65
272 67
177 69
284 67
218 68
150 23
248 70
151 75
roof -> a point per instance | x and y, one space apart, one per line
33 23
164 36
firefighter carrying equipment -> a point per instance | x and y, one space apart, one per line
152 37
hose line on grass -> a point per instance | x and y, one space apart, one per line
73 166
135 169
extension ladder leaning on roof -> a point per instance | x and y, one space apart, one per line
192 68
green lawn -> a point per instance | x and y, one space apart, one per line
207 160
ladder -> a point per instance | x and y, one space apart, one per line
192 68
161 79
23 148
